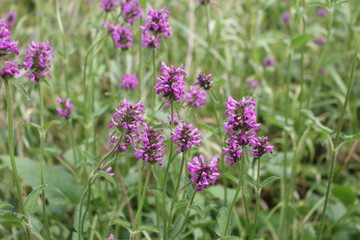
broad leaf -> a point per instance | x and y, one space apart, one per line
317 122
221 223
20 87
250 180
77 218
177 225
301 39
31 200
268 181
5 206
122 223
11 216
107 176
148 228
197 209
52 123
231 177
34 125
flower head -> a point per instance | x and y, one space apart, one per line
7 45
171 84
320 41
285 17
129 81
203 174
233 151
108 5
203 2
149 146
204 81
261 146
322 12
111 237
268 62
9 70
10 19
128 117
176 119
251 82
196 97
65 109
38 60
121 146
122 36
185 136
130 10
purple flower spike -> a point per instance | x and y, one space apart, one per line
233 151
65 109
285 17
185 136
130 10
10 19
171 84
149 146
261 146
203 81
38 60
129 81
7 45
122 36
268 62
128 117
196 97
320 41
9 70
157 25
251 82
202 174
122 146
322 12
108 5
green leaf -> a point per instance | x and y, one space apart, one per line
250 180
5 206
197 209
341 2
148 228
213 97
77 217
181 203
34 125
318 3
31 200
268 181
188 188
351 137
99 112
52 123
143 3
345 193
230 238
161 126
221 223
20 87
177 225
317 122
107 176
231 177
207 127
122 223
88 155
11 216
159 194
301 39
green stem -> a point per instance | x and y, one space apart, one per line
80 223
42 159
187 214
139 211
141 82
337 139
73 142
154 83
207 9
258 192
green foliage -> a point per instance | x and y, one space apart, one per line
31 201
221 223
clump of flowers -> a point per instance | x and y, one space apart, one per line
322 12
261 146
285 17
157 25
108 5
204 81
171 84
10 19
9 70
185 136
7 45
149 146
203 174
38 60
130 10
128 117
122 36
251 82
65 109
122 145
129 81
268 62
111 237
196 97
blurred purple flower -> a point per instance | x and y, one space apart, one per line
204 1
268 62
7 45
122 36
176 119
321 70
322 12
285 17
202 174
65 109
185 136
251 82
111 237
122 146
171 84
196 97
38 60
129 81
203 81
9 70
108 5
149 146
130 10
11 19
320 41
261 146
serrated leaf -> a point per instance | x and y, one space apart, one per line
159 194
231 177
250 180
301 39
197 209
107 176
351 137
20 87
5 206
177 225
181 203
88 155
122 223
34 125
11 216
268 181
315 120
221 223
148 228
31 200
50 124
77 218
